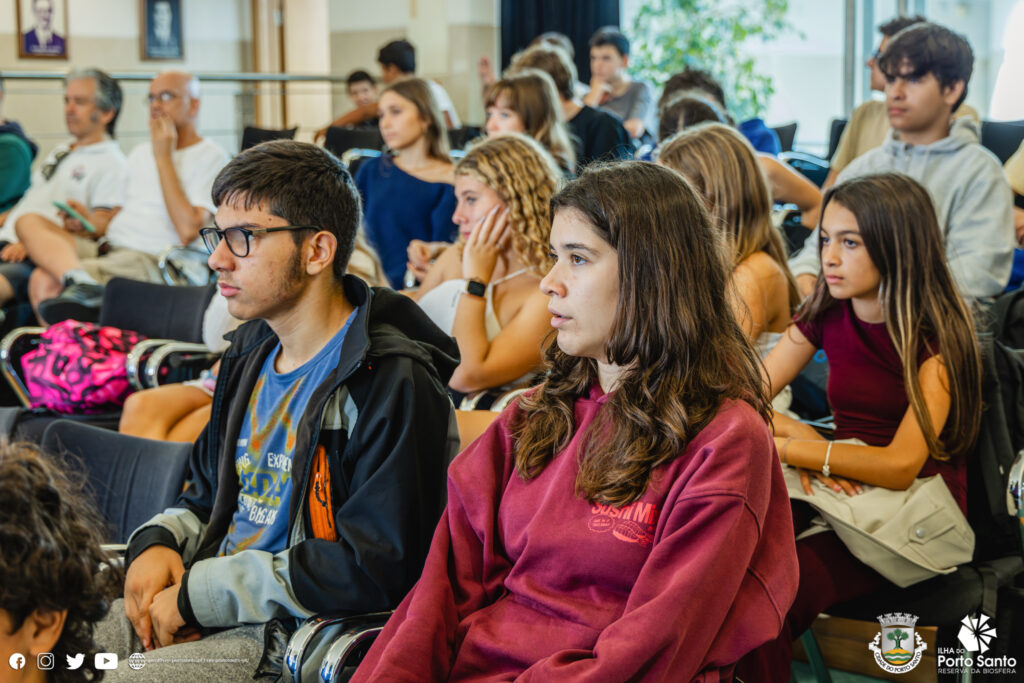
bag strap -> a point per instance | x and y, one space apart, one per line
989 591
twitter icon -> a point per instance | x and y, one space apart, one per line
76 661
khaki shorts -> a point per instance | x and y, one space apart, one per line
127 263
85 248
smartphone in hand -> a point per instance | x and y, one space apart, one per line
74 214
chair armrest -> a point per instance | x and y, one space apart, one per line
803 156
812 167
137 357
357 634
355 153
175 354
180 264
303 637
8 359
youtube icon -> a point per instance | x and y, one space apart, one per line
106 660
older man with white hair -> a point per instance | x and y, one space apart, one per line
167 201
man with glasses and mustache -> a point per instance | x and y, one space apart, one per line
167 200
319 478
84 173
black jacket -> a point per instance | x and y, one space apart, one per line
388 430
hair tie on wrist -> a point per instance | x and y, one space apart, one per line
828 453
785 450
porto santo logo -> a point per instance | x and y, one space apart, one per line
976 634
897 647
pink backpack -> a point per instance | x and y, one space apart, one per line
79 368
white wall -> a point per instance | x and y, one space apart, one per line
449 35
104 34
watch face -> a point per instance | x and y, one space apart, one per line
476 288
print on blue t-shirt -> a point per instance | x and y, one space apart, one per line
266 443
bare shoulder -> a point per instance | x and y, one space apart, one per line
760 267
520 296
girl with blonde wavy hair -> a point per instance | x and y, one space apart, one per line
484 289
723 168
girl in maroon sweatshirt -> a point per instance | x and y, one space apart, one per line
626 520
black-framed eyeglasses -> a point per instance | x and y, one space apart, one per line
238 238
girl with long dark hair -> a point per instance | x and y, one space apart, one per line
626 519
904 379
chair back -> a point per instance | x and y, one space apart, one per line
787 135
341 139
461 137
835 131
129 479
155 310
1002 138
252 136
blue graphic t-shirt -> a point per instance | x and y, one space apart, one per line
266 444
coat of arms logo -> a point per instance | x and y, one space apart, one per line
898 647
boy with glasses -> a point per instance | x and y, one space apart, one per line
84 173
318 481
927 68
167 200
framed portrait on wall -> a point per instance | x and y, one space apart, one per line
42 29
160 29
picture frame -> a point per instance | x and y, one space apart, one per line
160 30
42 29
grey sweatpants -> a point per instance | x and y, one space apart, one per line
230 655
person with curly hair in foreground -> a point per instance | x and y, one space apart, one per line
54 585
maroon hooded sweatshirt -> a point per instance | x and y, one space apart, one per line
526 580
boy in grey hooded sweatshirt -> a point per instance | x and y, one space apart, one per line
927 68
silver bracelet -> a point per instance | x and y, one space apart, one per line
828 453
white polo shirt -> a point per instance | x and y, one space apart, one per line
444 102
143 223
90 174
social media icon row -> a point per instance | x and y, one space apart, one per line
44 661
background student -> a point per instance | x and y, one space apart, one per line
526 102
407 193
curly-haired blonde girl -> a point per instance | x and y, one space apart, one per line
484 290
520 171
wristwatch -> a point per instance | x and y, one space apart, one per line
475 287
